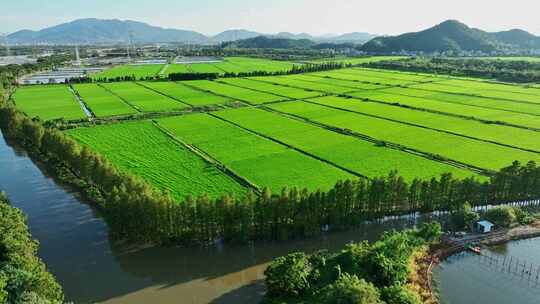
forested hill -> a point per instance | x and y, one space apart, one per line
262 42
453 35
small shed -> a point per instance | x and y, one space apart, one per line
484 226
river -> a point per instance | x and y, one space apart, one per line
75 245
468 278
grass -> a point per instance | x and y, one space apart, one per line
142 98
48 102
473 152
522 138
102 102
233 92
142 149
262 161
360 156
482 109
139 71
288 92
186 94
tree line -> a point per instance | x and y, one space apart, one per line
518 71
138 212
23 276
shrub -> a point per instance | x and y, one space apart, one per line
400 295
349 289
501 216
288 276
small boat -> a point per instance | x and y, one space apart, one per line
475 249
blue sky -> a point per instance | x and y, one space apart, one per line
270 16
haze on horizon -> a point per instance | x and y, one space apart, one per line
310 16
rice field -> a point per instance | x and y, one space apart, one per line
358 60
261 161
186 94
289 92
143 99
362 157
522 138
137 71
142 149
48 102
457 148
101 102
304 130
236 93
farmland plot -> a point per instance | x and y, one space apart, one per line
522 138
473 152
357 155
233 92
490 103
257 64
306 85
142 149
288 92
186 94
142 98
48 102
352 85
470 110
359 60
102 102
496 96
348 74
139 71
409 77
259 160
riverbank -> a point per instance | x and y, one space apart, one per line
421 279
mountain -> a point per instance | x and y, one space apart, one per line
100 31
519 38
453 35
287 35
104 31
233 35
356 37
264 42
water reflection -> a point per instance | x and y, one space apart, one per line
467 276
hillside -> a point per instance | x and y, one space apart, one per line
452 35
104 31
263 42
233 35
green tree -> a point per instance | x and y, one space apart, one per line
288 276
349 289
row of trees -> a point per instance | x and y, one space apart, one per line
361 273
138 212
519 71
23 276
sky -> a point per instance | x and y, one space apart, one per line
271 16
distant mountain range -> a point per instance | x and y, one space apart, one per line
455 36
99 31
